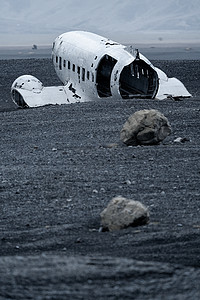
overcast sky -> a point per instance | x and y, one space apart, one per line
27 22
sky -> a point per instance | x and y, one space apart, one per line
28 22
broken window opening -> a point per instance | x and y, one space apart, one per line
73 68
138 79
56 59
79 71
92 77
68 65
88 75
64 63
104 71
83 74
60 63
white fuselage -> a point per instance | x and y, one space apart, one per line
77 56
92 67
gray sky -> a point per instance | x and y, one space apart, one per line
27 22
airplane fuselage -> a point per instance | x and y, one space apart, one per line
99 67
92 67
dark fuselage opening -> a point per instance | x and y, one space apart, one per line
103 77
138 80
18 99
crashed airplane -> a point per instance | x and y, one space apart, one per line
93 67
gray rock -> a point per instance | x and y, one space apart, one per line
145 127
121 213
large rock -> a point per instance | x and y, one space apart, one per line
145 127
122 213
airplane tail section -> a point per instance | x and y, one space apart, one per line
170 87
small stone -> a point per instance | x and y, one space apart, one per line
69 200
181 140
78 241
151 159
100 229
93 230
90 281
196 226
128 182
122 213
178 140
95 191
111 145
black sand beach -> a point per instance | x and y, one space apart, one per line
58 172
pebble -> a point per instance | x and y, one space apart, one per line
128 182
95 191
181 140
69 199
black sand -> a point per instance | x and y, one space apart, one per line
58 173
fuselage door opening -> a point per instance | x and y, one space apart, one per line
103 76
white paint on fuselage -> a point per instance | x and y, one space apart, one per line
77 56
85 50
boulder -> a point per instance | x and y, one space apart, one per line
145 127
122 213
